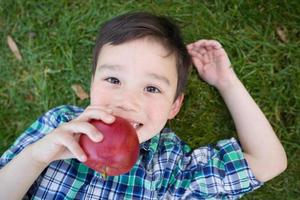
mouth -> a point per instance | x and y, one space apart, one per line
136 125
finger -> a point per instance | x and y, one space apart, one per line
190 46
202 51
96 113
200 43
72 145
219 52
205 59
192 52
198 64
213 44
109 110
210 56
67 155
196 54
209 48
208 43
217 44
84 128
202 54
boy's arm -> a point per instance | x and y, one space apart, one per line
19 174
262 149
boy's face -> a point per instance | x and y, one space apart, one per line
138 82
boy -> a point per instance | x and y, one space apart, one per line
140 69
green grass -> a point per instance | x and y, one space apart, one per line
56 40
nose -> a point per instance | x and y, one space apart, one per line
128 101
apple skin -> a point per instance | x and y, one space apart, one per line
117 152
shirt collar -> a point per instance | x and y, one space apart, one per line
150 146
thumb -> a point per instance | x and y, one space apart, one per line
66 155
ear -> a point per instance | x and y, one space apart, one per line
176 106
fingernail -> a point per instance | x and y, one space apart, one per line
110 118
98 137
83 158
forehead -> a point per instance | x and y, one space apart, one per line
145 53
145 43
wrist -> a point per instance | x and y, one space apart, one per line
228 84
32 155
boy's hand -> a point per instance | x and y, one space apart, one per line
62 142
212 63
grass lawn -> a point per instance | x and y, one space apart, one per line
56 39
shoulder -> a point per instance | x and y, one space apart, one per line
39 128
62 113
229 150
65 109
170 142
224 152
47 122
51 120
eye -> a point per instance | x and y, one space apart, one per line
112 80
152 89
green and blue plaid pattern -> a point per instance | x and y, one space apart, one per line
166 169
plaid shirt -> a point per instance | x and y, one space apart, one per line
166 169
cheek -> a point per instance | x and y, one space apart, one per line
158 110
99 97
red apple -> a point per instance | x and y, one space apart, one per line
117 152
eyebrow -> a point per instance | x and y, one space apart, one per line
120 68
160 78
110 67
